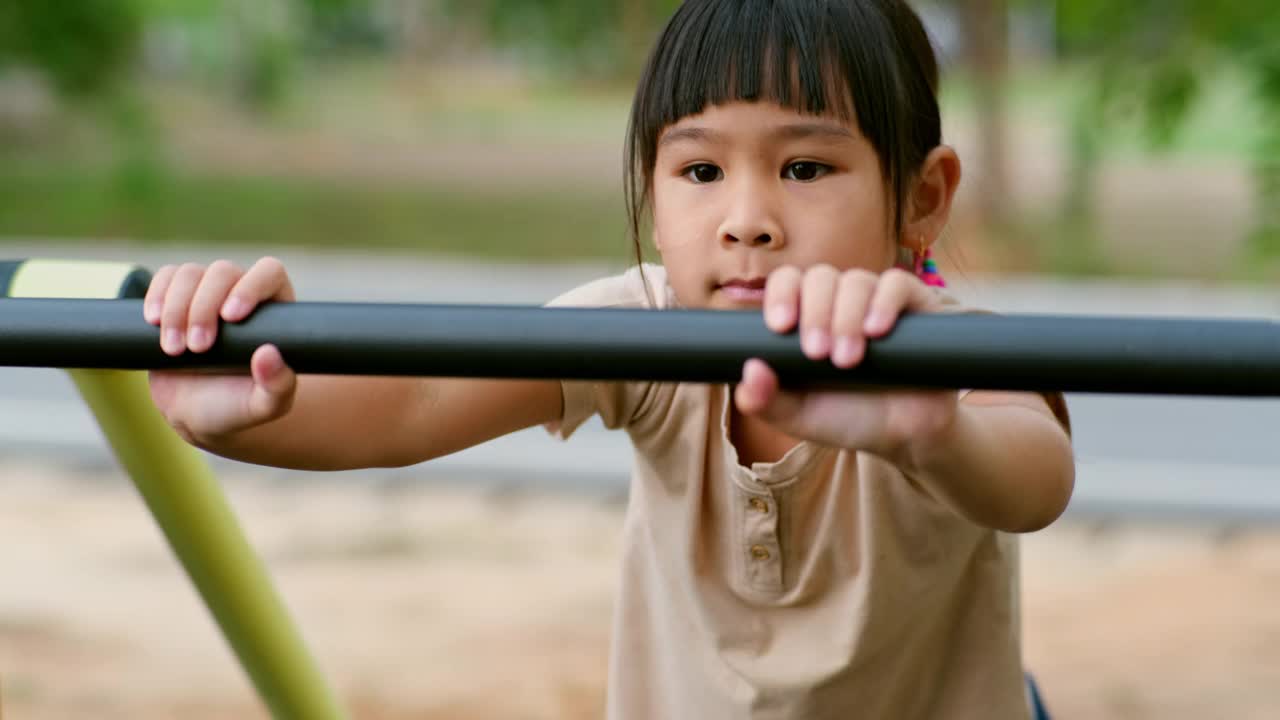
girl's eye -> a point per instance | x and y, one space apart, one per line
805 171
703 173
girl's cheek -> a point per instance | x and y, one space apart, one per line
678 225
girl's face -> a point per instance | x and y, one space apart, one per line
744 188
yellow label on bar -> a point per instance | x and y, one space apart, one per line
69 279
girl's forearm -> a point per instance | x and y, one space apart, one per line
336 423
1007 467
351 422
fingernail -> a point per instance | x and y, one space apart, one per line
233 308
172 341
270 368
151 312
779 315
816 342
845 352
874 322
197 338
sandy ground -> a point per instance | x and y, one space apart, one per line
435 602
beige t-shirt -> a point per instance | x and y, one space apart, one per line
824 585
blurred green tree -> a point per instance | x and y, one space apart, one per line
86 50
583 39
256 46
86 47
984 25
82 47
1164 54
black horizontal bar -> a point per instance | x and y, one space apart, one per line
1011 352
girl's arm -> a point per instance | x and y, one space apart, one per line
274 417
345 422
1004 462
1001 459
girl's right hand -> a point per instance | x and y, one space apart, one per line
186 302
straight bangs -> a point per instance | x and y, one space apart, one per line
834 58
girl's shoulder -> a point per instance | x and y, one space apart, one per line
641 286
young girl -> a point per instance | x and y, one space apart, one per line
786 555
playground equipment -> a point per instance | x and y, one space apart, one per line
183 496
87 318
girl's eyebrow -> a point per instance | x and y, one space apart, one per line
792 131
690 134
800 131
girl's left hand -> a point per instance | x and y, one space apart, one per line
837 313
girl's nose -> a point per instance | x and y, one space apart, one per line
762 239
751 223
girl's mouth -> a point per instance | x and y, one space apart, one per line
744 290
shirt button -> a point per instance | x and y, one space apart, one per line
759 552
758 505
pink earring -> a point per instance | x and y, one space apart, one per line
925 267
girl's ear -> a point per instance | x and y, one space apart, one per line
929 199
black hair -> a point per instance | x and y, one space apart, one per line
867 62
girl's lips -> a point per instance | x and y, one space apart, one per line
745 291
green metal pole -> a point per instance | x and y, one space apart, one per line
184 497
